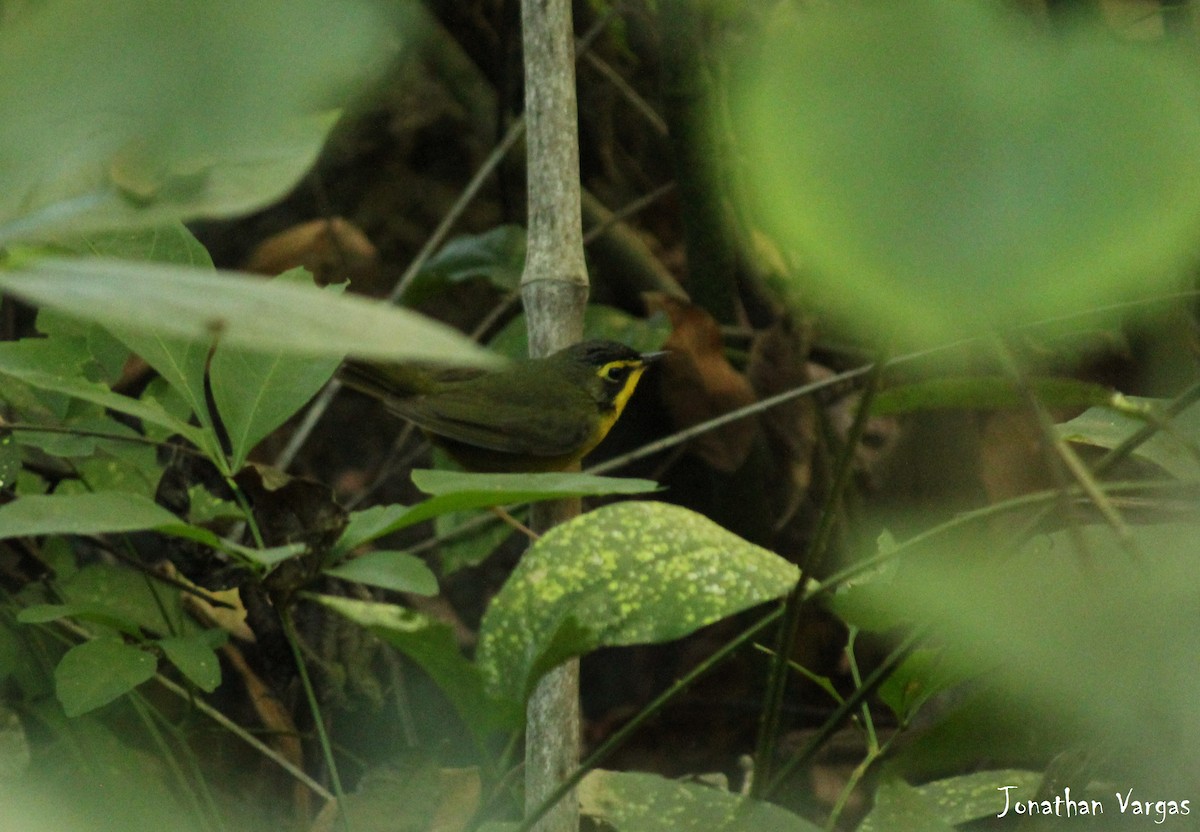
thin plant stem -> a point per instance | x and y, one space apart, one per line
310 693
1070 460
770 723
844 711
618 738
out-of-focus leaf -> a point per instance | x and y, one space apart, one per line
250 313
171 111
947 167
1176 451
984 393
1071 635
628 573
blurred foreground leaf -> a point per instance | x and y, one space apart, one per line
246 312
123 113
944 166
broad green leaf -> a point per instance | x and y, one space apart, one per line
628 573
256 391
172 243
497 256
109 354
45 613
1174 450
397 571
96 672
194 657
462 491
247 312
641 802
943 804
50 364
99 513
945 167
193 107
124 596
432 646
181 361
985 393
901 807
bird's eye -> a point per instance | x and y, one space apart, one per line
615 372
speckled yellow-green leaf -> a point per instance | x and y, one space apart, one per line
629 573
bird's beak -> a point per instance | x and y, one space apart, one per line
651 357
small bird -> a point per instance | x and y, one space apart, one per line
538 414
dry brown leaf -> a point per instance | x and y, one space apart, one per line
1012 456
334 251
698 383
779 362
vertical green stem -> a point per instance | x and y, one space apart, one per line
769 726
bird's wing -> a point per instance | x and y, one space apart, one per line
491 419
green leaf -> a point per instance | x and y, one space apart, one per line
943 804
247 312
1068 180
96 672
629 573
1175 451
106 352
1070 628
256 392
180 361
900 807
195 658
193 108
50 365
639 802
497 256
10 459
462 491
101 513
45 613
985 393
122 598
432 646
397 571
272 556
172 243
